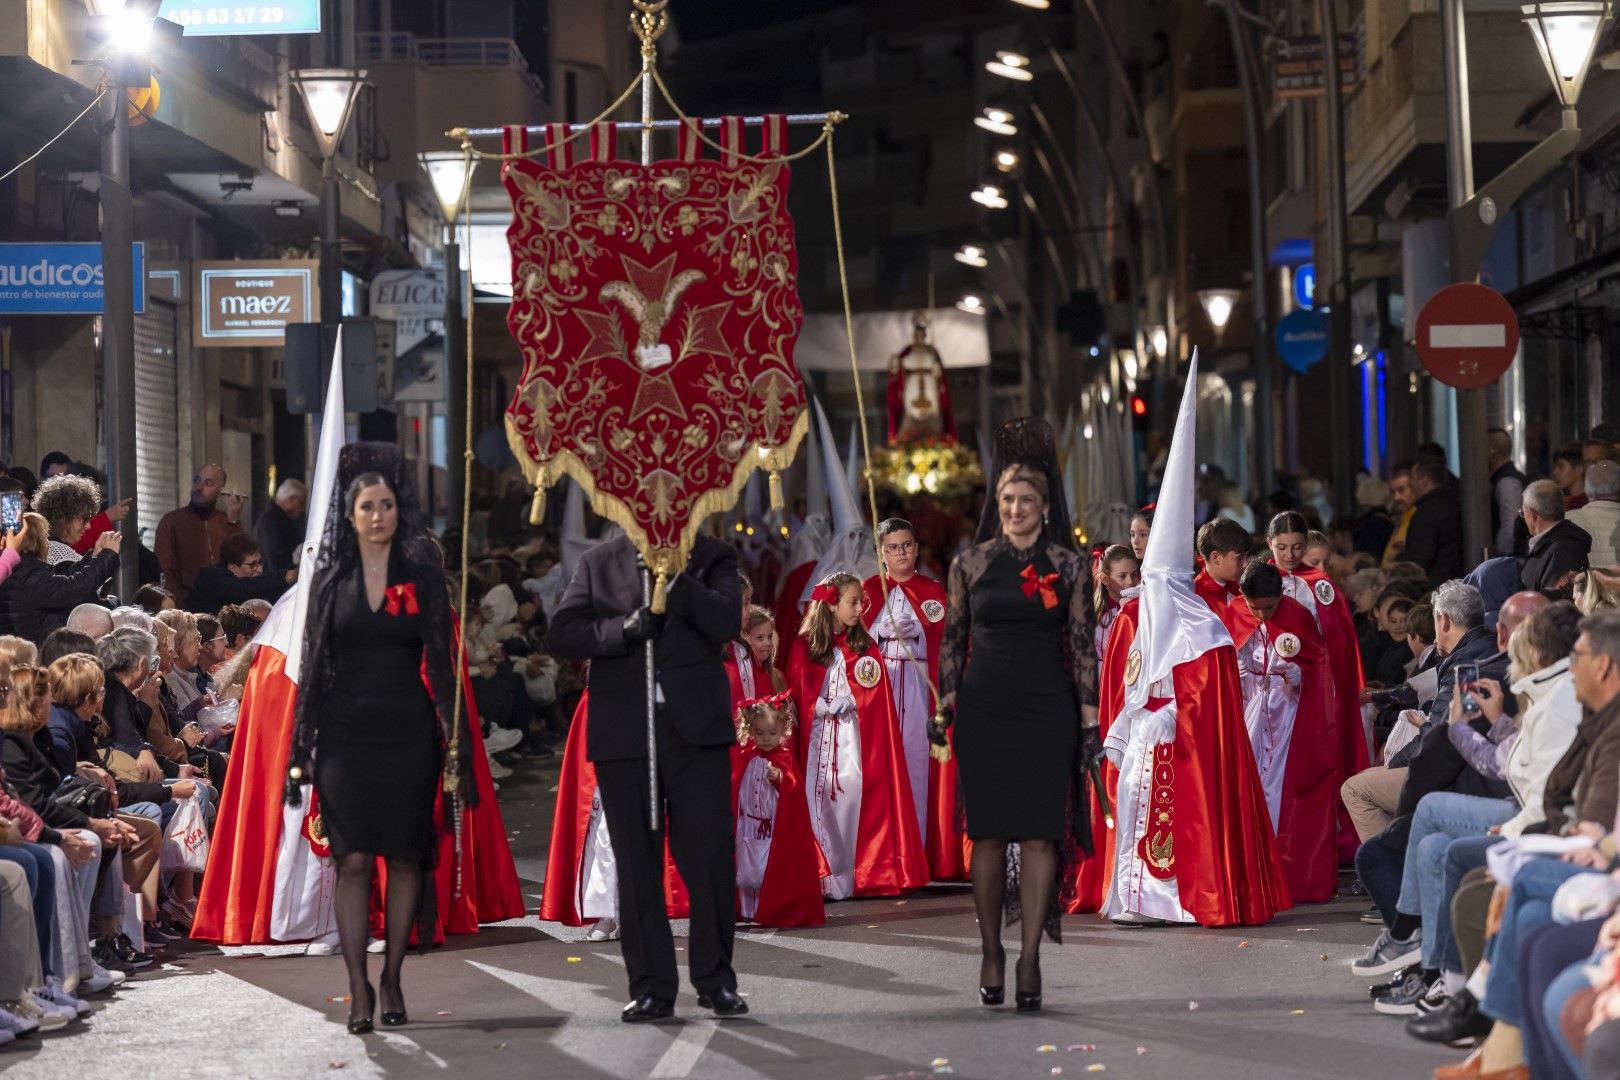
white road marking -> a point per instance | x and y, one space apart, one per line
408 1046
683 1054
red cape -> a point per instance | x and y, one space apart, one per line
1344 657
789 614
791 893
1310 800
1218 595
889 855
235 904
1092 874
576 787
946 845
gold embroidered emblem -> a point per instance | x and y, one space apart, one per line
868 671
933 610
1133 667
1288 646
1323 591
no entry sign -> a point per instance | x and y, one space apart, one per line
1467 335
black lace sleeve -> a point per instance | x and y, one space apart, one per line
958 620
1081 652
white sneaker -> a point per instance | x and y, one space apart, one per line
377 948
325 945
502 738
111 976
5 1036
54 992
15 1025
99 982
28 1007
497 770
604 930
41 998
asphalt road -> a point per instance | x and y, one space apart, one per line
885 990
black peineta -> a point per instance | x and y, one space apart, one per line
1028 440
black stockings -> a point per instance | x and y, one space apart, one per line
989 874
1037 887
353 903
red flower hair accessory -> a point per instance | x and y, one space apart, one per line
825 593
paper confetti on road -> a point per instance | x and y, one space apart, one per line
1296 1012
336 1000
445 1012
1096 1066
1324 956
1081 1046
1046 1048
337 1064
574 959
939 1063
1057 1070
1243 944
1140 1050
1192 1006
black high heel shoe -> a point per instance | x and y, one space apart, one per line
995 995
1029 1000
361 1025
396 1019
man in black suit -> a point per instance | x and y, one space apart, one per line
601 618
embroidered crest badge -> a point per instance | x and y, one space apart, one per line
868 671
933 610
1288 646
1323 591
1133 667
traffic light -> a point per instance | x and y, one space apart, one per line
1139 412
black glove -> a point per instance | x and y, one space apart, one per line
642 626
1091 747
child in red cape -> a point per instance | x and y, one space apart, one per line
861 809
779 865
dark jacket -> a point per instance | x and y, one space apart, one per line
279 537
71 741
1585 784
36 599
1434 536
1559 551
589 625
216 587
1373 531
36 780
1432 761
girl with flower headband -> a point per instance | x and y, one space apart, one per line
779 864
856 782
750 660
1117 570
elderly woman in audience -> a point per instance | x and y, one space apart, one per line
67 503
181 676
155 599
34 600
1597 588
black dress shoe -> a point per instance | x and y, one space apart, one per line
1458 1020
724 1002
1029 1000
361 1025
992 995
647 1009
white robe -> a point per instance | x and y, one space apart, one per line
900 636
1271 687
598 872
745 669
833 775
756 821
1130 745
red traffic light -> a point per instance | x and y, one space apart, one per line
1138 406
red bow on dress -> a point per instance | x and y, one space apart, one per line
825 593
1041 583
404 596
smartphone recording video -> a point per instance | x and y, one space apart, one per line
11 511
1467 678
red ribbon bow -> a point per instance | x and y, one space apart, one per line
404 596
825 593
1042 583
775 701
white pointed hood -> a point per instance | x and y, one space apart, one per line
850 547
852 458
815 476
283 628
1173 625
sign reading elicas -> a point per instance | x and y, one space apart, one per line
60 279
203 18
240 303
411 299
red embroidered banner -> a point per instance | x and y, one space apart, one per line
656 308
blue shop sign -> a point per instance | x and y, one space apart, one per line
1305 286
212 18
1302 339
59 279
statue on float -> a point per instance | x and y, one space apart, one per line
919 398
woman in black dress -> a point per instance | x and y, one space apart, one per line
1018 671
369 731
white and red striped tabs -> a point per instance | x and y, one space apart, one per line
689 141
514 139
559 151
773 136
604 141
1468 336
731 140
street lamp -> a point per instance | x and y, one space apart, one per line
328 95
1218 305
1038 5
997 121
971 304
1159 341
972 255
1010 65
450 174
989 196
1567 34
1007 161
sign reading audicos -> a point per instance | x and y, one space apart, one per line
252 303
59 279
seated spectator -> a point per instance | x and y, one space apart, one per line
1374 525
34 600
67 503
280 529
1391 655
16 652
64 642
154 598
1496 579
1405 571
1558 548
238 625
182 679
1600 517
259 609
92 620
130 615
237 577
1597 589
212 653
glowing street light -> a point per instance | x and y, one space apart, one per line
1006 161
972 255
1567 33
1159 341
329 95
997 121
1010 65
1218 305
971 304
1038 5
450 173
990 196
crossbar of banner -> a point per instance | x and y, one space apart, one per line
661 125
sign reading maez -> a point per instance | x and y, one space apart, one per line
60 279
239 303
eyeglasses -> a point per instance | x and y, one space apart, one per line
211 640
900 549
5 691
252 564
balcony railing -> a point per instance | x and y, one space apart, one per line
451 53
